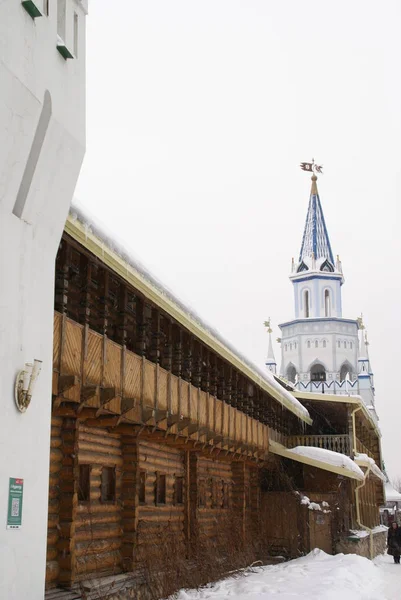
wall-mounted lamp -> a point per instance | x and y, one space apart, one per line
25 384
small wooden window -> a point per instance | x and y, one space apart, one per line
215 493
108 484
84 483
201 493
160 495
142 487
179 490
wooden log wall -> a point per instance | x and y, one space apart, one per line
161 498
90 294
56 458
280 523
92 374
68 500
98 521
369 509
215 488
252 503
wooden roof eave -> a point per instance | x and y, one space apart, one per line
77 230
356 400
277 448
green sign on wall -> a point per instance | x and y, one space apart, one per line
15 492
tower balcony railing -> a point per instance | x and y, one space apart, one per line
336 443
329 387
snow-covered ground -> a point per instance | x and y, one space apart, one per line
317 576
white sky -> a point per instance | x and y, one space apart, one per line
199 113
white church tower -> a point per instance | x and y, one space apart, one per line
320 349
42 126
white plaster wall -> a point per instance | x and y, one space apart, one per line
30 65
316 288
321 330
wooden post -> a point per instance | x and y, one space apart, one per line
68 501
350 430
130 499
239 495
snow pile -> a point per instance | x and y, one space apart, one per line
305 501
316 576
93 227
373 466
328 456
362 533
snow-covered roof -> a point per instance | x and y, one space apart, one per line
391 494
364 459
329 457
87 230
320 458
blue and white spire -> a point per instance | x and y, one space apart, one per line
315 241
317 277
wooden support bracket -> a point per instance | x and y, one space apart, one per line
147 413
127 404
183 423
87 392
160 415
65 382
193 428
106 396
172 420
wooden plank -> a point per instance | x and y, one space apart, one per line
92 371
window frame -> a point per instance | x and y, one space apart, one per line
179 490
142 487
81 467
113 498
160 486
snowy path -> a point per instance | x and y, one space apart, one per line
317 576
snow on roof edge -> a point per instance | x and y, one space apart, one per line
329 456
79 213
391 494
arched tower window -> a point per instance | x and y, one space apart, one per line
327 303
308 344
324 343
306 303
316 344
346 368
318 373
291 373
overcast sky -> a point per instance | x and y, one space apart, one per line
199 113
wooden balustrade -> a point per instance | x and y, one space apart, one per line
336 443
362 449
92 374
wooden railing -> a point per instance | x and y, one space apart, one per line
362 449
336 443
94 376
